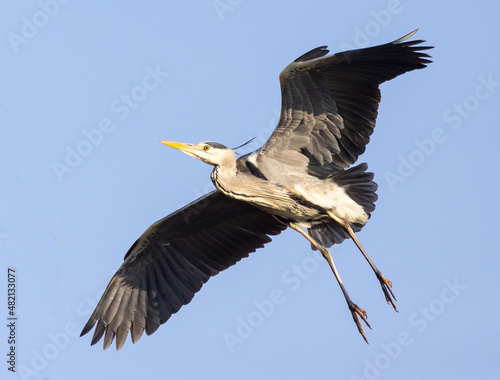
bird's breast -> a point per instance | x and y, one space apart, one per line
268 196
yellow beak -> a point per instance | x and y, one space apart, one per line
178 145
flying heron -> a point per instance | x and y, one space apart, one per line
300 178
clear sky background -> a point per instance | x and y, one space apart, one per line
73 199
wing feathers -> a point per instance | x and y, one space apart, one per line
329 108
342 93
172 260
315 53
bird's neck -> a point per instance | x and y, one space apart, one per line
223 176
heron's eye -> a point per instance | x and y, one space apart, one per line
206 147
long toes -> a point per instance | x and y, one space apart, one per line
386 288
357 313
390 301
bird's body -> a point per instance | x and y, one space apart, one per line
300 197
300 178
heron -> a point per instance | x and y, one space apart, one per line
301 178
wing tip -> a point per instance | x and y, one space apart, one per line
88 326
405 37
410 43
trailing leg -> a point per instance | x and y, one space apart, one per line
384 282
356 311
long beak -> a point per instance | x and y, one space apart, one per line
184 147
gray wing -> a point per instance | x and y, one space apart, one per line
172 260
329 104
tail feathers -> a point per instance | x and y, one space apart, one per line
328 234
359 185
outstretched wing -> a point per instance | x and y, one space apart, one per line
172 260
329 104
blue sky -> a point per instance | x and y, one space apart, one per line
88 89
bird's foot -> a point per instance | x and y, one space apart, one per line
386 288
357 313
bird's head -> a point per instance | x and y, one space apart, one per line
209 152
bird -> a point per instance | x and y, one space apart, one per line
301 178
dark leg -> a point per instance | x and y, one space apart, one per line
384 282
356 311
